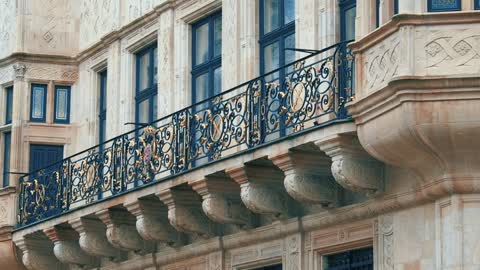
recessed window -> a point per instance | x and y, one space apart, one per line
206 60
348 12
146 85
444 5
38 99
271 267
395 7
102 116
6 158
8 104
477 4
350 260
377 11
62 105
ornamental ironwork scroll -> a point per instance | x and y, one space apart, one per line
303 95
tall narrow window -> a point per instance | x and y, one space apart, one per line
146 85
62 105
206 58
6 158
377 11
351 260
38 99
348 12
395 7
477 4
277 33
444 5
8 104
102 116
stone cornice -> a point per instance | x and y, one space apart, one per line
464 17
38 58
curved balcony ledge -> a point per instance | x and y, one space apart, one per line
418 98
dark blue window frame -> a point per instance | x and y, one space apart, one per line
44 112
395 7
55 107
102 116
345 5
377 11
7 137
433 8
476 4
149 93
8 104
212 63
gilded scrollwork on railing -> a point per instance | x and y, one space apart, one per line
302 95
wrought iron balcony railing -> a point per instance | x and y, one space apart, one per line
301 96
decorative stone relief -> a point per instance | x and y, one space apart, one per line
19 70
6 74
66 247
38 254
222 202
261 190
384 242
98 17
256 253
352 167
121 230
294 245
7 27
93 239
185 213
215 261
152 222
308 177
51 72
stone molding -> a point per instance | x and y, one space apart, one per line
93 239
185 213
152 222
221 201
66 247
261 190
38 254
352 167
121 230
308 177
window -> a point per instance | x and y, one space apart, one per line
271 267
395 7
377 11
146 85
62 105
206 58
444 5
277 33
477 4
38 99
348 12
102 116
360 259
8 104
6 158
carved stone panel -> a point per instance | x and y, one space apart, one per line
384 242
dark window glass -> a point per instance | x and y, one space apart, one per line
62 104
271 267
8 104
6 157
207 53
146 85
395 6
38 99
360 259
103 106
477 4
348 12
377 11
444 5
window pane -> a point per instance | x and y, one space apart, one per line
217 81
155 107
61 103
289 54
271 15
350 23
201 47
143 111
155 66
6 158
103 130
9 105
289 10
217 37
201 87
272 55
103 91
143 65
444 5
38 100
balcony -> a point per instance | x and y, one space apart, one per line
311 93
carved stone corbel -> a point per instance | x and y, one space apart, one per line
66 247
185 213
93 239
152 222
222 202
261 190
352 167
121 230
37 253
308 177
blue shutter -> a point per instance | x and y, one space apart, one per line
42 156
62 105
38 102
